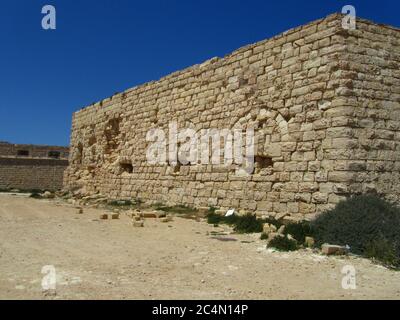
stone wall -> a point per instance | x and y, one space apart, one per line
37 167
33 151
369 160
323 102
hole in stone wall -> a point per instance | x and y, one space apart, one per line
92 140
111 133
155 120
177 168
262 162
126 167
261 123
287 117
91 170
54 154
23 153
243 82
79 154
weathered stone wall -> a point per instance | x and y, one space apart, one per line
34 151
39 167
28 174
370 158
311 94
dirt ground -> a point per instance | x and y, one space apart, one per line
110 259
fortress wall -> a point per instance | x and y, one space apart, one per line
29 174
27 167
370 161
298 91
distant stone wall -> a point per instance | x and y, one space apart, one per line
27 167
324 103
26 174
33 151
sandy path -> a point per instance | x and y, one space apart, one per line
99 259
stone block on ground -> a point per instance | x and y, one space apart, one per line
104 216
289 220
48 195
138 224
273 235
309 242
330 249
133 213
203 211
154 214
269 228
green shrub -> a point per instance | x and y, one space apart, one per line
32 191
178 209
359 222
232 220
241 224
274 222
211 210
283 244
263 236
213 218
299 230
246 224
120 203
383 251
36 195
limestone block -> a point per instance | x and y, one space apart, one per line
269 228
330 249
138 224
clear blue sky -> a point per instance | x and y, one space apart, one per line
104 46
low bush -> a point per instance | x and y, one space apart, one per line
36 195
32 191
213 218
283 243
241 224
178 209
299 230
125 204
368 224
273 221
263 236
211 210
246 224
232 220
383 251
120 203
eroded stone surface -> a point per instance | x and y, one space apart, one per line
324 103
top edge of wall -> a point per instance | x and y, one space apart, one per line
331 17
18 145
